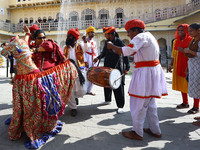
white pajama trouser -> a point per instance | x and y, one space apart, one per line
89 86
72 102
140 109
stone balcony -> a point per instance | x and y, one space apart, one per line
158 15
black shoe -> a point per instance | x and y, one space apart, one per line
73 112
76 99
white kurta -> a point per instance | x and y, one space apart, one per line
146 81
90 54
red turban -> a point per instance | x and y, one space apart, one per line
33 28
134 23
109 29
74 32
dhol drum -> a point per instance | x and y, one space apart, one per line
104 77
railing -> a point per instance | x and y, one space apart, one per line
100 23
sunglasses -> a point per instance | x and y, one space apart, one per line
44 37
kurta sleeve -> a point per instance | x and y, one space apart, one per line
135 44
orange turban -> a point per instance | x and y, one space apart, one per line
74 32
33 28
109 29
134 23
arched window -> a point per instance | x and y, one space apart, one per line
119 16
119 13
44 19
39 19
60 17
73 16
73 19
20 20
31 20
26 20
88 14
163 51
103 17
50 18
103 14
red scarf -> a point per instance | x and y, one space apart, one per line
182 59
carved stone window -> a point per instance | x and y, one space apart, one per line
73 16
119 16
103 14
119 13
88 14
60 17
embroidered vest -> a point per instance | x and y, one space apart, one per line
78 53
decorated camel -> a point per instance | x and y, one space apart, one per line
38 98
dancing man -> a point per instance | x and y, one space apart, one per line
74 51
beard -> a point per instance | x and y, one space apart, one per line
69 41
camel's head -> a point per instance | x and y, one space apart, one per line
16 47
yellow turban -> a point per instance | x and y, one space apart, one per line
90 29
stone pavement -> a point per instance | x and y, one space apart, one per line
99 127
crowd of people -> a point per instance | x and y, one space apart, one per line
148 79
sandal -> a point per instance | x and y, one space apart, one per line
196 123
93 94
196 118
193 111
183 105
147 130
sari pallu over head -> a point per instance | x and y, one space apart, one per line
182 59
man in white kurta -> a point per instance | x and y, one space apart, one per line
90 54
148 79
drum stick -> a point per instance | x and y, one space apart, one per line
119 78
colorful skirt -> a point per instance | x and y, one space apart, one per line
38 100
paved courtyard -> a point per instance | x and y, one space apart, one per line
99 127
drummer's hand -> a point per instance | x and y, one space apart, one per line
126 71
95 60
26 29
86 65
109 45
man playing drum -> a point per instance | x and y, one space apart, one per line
74 51
148 79
113 60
